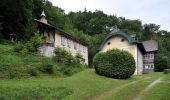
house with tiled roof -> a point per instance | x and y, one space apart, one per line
151 47
139 50
55 37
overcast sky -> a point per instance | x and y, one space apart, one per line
148 11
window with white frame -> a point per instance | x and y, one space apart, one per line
149 56
63 41
148 66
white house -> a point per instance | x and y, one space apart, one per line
55 37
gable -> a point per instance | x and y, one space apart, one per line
128 38
115 42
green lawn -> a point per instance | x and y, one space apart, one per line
84 85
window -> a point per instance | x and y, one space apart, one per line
152 56
108 43
148 56
81 48
122 40
68 43
63 41
75 45
148 66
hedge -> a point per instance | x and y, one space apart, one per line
114 63
167 71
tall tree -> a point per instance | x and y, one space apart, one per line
149 30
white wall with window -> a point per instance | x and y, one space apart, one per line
72 46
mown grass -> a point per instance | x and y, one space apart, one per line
132 91
161 91
83 85
79 86
76 87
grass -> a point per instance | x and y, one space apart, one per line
131 91
161 91
83 85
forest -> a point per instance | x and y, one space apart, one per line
17 16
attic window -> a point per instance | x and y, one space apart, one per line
122 40
108 43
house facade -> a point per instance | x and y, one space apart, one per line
151 47
122 41
55 37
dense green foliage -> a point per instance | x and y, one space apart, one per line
64 57
19 65
114 63
70 63
29 46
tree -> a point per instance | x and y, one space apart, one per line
149 30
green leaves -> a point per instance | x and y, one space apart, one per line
114 63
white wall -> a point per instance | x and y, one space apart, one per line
140 62
83 52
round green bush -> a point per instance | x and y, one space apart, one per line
114 63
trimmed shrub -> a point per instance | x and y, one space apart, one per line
166 71
114 63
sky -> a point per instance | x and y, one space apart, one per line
148 11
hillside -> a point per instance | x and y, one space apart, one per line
23 65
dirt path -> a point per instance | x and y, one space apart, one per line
139 97
109 92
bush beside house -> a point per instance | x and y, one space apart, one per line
21 64
114 63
